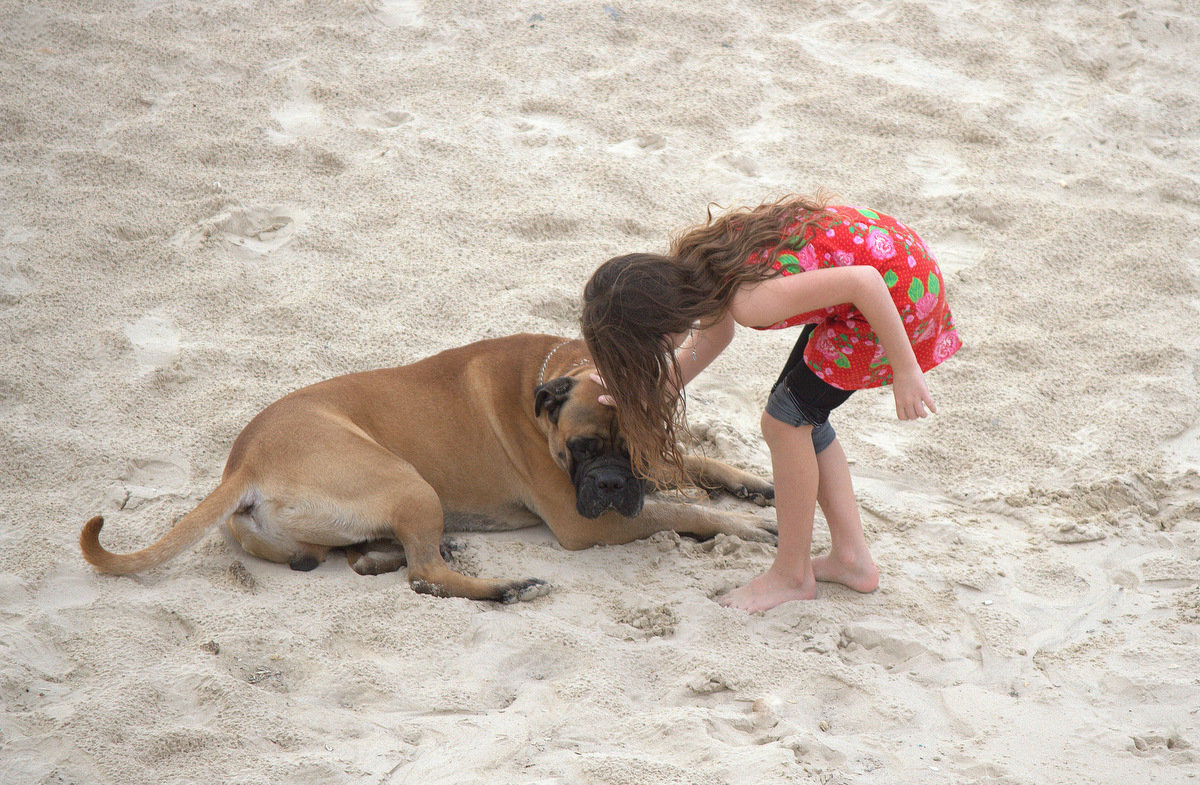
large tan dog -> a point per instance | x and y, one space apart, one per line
499 434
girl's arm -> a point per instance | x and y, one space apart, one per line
700 347
776 299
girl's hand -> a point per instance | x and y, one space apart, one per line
912 396
607 400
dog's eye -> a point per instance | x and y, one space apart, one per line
586 447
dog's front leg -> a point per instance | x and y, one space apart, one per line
696 520
575 532
713 475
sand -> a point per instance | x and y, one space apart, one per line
207 205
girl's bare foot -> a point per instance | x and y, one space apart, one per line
768 590
862 576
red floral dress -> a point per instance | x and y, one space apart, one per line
843 349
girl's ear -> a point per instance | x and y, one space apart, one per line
551 396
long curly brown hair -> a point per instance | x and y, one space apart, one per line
634 305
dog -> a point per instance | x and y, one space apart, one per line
499 434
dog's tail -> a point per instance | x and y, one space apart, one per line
216 507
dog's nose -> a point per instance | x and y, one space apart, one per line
610 482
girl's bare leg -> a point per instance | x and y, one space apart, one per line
849 560
795 468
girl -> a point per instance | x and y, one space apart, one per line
873 300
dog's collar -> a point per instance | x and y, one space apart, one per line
545 362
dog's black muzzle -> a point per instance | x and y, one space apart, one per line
607 483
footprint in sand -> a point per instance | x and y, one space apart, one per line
740 164
155 341
639 145
66 589
398 13
1161 744
545 227
883 643
295 119
939 169
1183 450
259 230
384 120
1168 571
13 285
545 122
28 648
956 251
656 621
558 309
151 478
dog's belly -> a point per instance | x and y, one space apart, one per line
502 520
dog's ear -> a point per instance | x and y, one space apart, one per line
551 396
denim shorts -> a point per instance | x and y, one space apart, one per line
783 407
800 397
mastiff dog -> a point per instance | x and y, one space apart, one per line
499 434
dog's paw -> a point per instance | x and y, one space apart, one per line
374 564
762 496
304 562
758 531
761 535
526 590
451 547
376 558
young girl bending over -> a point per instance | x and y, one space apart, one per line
874 305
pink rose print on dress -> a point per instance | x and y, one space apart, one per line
845 351
807 256
926 305
923 332
880 245
946 345
826 346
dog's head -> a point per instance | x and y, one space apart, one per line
584 441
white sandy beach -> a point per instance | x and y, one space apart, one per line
206 205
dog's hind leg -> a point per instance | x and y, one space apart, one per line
376 557
272 543
382 556
415 514
370 494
